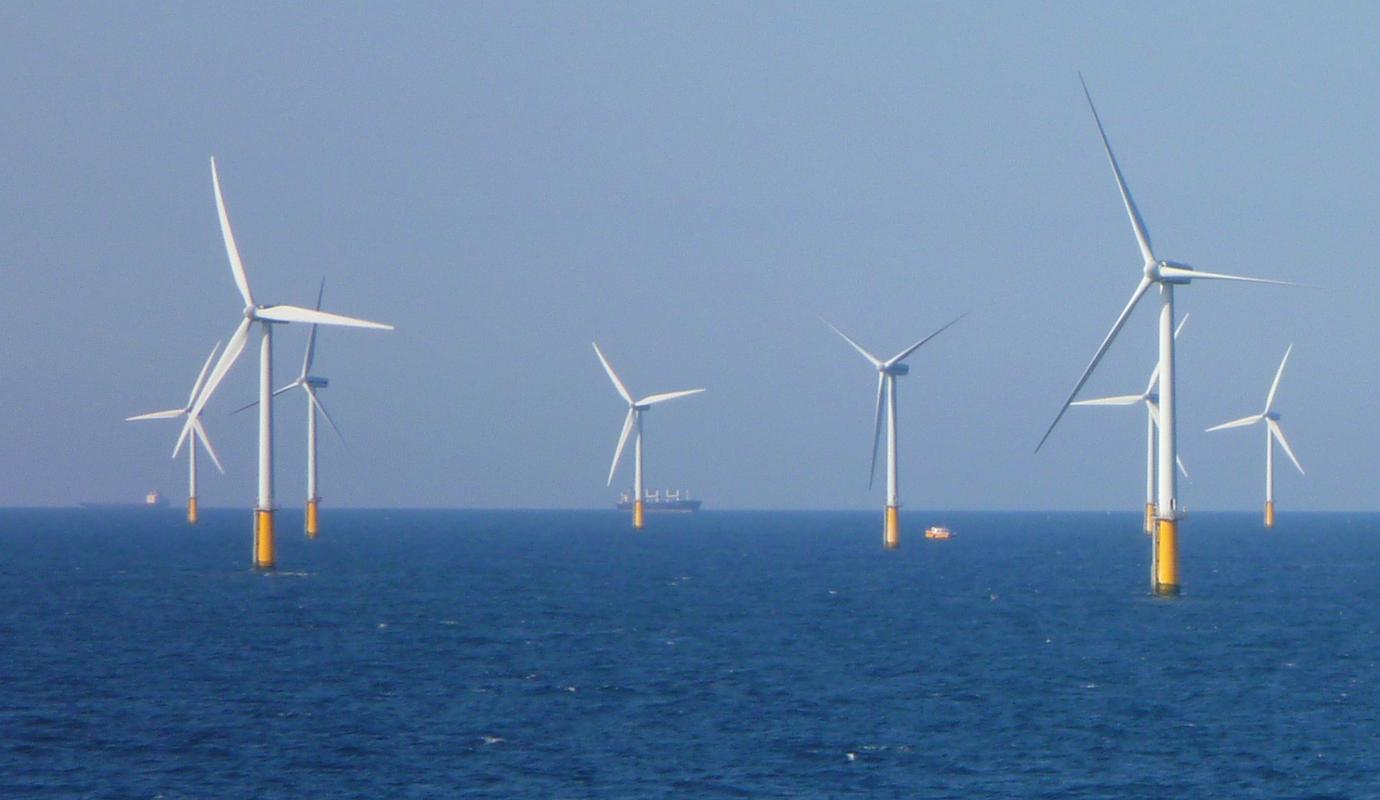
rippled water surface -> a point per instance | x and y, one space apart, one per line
560 655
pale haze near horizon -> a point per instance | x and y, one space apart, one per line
688 186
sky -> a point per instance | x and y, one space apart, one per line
689 185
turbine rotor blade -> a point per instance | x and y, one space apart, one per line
1101 350
169 414
653 399
1137 224
1289 451
311 337
1119 400
613 376
1194 274
1155 373
286 313
200 432
322 408
1274 387
231 250
1154 379
187 429
622 440
196 387
232 351
901 356
1237 423
876 362
253 403
245 407
876 428
1182 468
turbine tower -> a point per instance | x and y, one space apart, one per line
1272 433
887 373
1151 399
309 384
267 316
634 420
198 432
1164 275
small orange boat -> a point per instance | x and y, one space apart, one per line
938 532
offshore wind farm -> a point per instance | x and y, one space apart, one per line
470 613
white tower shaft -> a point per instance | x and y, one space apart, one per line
1269 466
1166 498
891 491
1149 455
638 493
191 467
311 448
266 419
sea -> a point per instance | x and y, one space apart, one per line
560 654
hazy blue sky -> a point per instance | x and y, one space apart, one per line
689 185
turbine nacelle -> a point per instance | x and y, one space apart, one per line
894 369
318 383
1169 272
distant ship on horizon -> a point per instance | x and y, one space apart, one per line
154 499
675 501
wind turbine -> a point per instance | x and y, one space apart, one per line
267 316
1151 399
309 384
634 420
1165 275
887 373
198 433
1272 433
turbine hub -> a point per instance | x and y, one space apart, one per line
1156 272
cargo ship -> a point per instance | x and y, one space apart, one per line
670 500
151 500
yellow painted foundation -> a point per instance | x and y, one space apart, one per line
1269 513
1150 518
1167 558
312 523
891 537
191 511
263 539
639 514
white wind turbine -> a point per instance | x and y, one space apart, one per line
634 420
198 432
267 316
310 384
1165 275
887 373
1272 433
1151 399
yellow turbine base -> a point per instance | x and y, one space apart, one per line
1150 518
1269 513
263 538
1167 558
639 514
313 526
891 536
191 511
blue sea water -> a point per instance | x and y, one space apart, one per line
420 654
